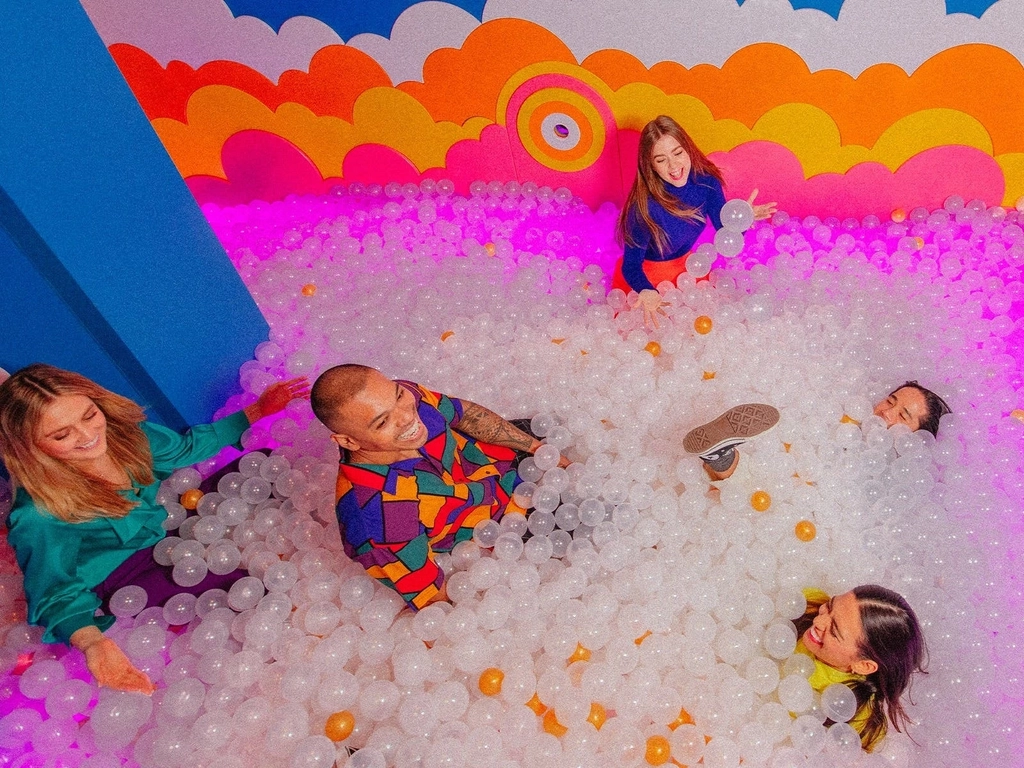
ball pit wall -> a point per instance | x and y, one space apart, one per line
558 105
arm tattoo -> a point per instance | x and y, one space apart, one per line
482 424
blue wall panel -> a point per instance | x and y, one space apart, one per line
98 212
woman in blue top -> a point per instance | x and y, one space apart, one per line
87 467
676 192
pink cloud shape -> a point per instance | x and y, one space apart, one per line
263 166
487 158
377 164
926 179
259 166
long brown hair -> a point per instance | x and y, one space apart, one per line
648 184
65 491
894 641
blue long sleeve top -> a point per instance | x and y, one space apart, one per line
701 192
64 562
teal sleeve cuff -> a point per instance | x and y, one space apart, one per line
232 427
62 631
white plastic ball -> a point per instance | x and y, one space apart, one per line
838 703
128 601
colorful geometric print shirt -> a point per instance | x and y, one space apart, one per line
394 518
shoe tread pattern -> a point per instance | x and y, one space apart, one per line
741 421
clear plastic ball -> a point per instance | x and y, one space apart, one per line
128 601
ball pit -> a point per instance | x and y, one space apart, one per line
680 599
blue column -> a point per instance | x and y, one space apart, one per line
107 266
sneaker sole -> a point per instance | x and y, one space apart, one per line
739 422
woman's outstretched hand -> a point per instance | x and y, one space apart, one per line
108 663
651 303
763 211
276 397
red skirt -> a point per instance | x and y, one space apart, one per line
656 271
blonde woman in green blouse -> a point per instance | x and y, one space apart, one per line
87 467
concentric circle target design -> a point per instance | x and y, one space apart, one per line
559 126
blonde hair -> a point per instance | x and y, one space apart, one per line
68 493
648 183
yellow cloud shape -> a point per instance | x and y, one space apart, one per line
813 136
384 116
1013 171
929 128
806 130
634 104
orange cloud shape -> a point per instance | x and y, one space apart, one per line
465 82
884 114
979 80
338 75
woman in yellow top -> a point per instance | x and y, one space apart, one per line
869 640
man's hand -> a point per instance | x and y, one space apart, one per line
562 461
276 397
108 664
440 597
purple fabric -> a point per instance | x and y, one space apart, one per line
143 571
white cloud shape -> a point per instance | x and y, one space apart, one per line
689 32
420 30
694 32
200 31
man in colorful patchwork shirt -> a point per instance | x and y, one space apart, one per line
418 471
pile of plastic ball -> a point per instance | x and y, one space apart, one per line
646 619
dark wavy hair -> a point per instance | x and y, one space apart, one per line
894 641
937 407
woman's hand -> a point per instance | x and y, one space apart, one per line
108 664
276 397
763 211
651 303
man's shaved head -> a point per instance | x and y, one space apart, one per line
333 390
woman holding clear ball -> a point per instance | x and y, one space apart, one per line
676 192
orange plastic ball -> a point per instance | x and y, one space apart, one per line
805 530
683 719
339 725
538 707
1017 414
551 724
490 681
580 654
658 750
490 248
597 715
309 289
919 242
190 498
760 500
703 324
653 347
447 335
899 215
